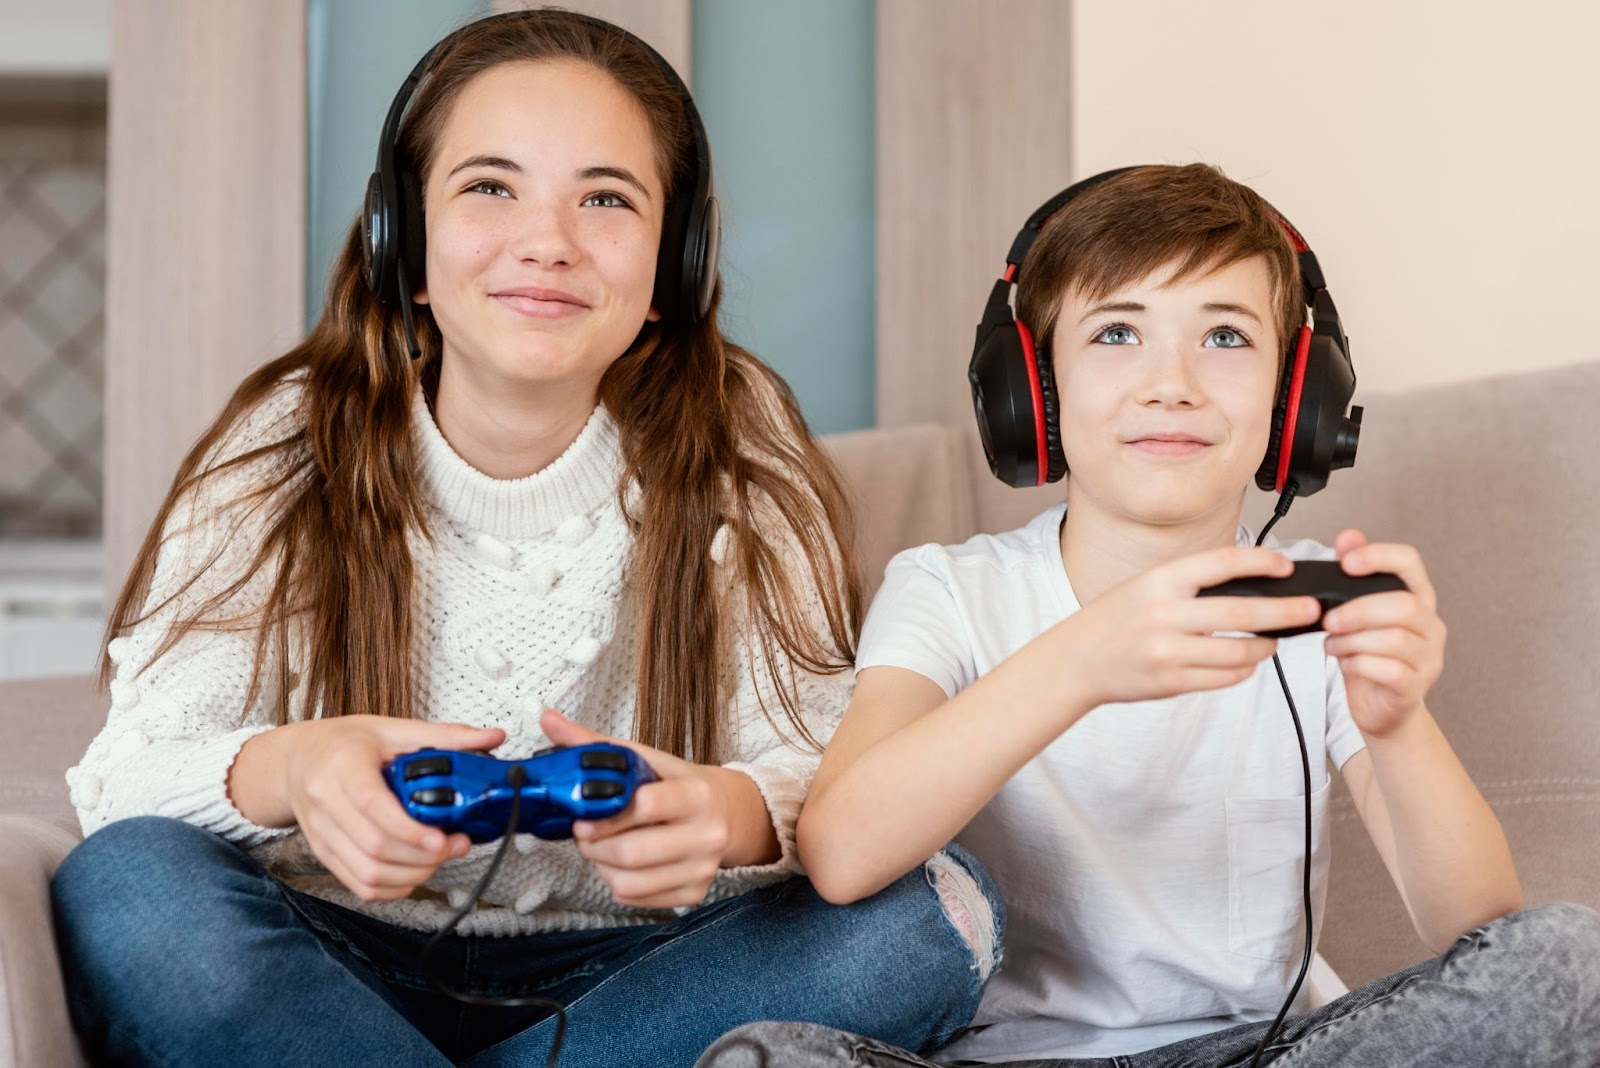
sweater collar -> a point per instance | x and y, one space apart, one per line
575 483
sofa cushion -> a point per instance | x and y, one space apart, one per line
47 724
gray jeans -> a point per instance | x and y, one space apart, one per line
1522 991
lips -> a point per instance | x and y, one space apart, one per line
535 293
1169 444
540 303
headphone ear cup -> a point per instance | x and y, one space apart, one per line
377 244
703 243
1003 399
1056 457
413 235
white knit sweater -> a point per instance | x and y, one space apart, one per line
521 603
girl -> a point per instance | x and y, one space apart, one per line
575 494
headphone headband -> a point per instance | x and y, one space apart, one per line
1014 396
392 217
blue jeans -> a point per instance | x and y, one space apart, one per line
1522 991
178 948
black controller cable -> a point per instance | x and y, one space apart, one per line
1278 513
518 778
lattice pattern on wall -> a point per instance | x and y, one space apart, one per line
52 339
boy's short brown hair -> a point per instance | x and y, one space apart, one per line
1119 231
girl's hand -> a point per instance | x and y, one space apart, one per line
1151 637
333 783
663 850
1390 646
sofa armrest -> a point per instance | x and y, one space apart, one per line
34 1027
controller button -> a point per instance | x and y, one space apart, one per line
433 765
434 795
603 758
601 789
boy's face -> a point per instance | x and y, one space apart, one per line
1166 392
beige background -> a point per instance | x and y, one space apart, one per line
1442 158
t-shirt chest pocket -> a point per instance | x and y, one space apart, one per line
1266 852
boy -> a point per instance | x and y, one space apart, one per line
1119 752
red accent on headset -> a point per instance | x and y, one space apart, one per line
1037 393
1295 239
1011 272
1292 416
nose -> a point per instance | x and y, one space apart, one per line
1169 379
545 236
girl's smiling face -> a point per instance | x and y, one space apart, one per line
543 209
1166 391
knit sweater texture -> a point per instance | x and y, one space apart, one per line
521 601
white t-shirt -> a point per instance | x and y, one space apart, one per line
1151 856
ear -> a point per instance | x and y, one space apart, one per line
420 296
653 315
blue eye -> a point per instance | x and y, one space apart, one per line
1116 334
1226 337
605 200
489 186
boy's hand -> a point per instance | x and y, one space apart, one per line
663 850
1152 637
1390 646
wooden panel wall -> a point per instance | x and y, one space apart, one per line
972 136
206 229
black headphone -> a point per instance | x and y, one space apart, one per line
393 236
1014 393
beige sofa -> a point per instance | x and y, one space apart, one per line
1495 481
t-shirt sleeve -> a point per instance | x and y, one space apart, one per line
916 622
1344 737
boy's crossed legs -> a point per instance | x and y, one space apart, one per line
1522 990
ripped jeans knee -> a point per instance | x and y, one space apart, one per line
971 904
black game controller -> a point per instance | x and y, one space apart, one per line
1323 579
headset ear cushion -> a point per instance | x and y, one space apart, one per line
1056 456
413 235
1294 369
1267 473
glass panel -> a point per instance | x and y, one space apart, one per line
787 94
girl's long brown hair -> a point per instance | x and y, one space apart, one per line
710 434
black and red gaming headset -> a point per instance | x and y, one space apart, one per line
393 236
1014 393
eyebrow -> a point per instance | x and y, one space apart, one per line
1236 309
1111 306
1135 306
621 174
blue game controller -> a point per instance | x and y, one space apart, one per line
472 792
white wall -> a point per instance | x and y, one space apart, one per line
1443 159
55 36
